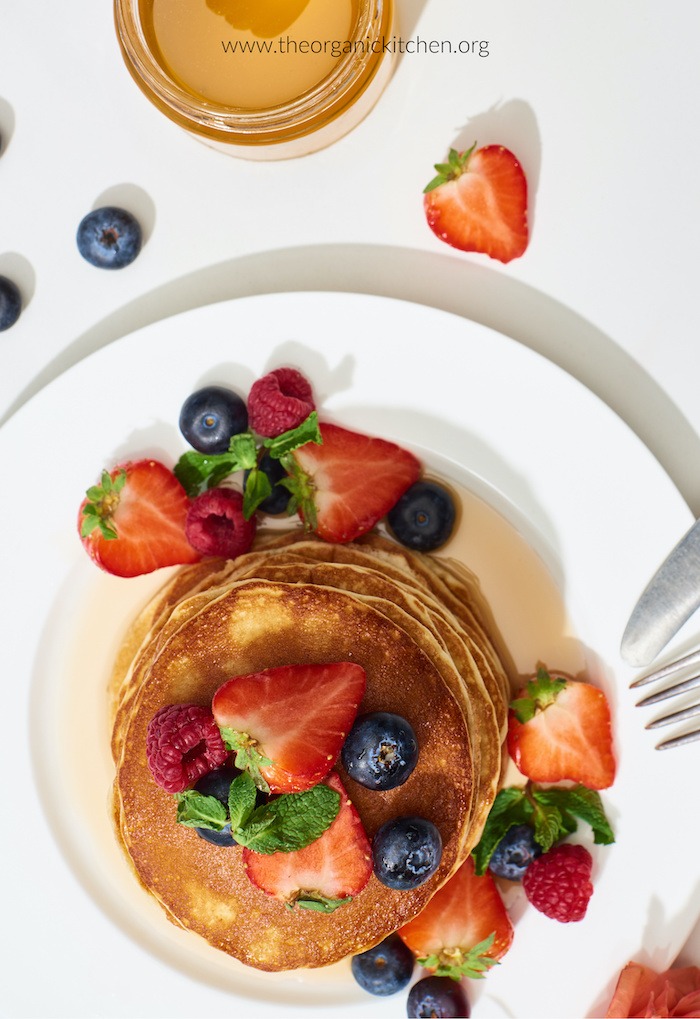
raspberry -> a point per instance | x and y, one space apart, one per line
279 401
558 883
215 525
182 744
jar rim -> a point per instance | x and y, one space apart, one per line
354 71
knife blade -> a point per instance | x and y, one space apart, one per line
668 600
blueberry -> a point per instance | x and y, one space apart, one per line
380 751
438 997
210 416
384 969
217 783
406 851
515 852
10 303
278 499
109 238
424 516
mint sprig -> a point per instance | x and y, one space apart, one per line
285 824
552 811
198 472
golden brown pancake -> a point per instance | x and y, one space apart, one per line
295 601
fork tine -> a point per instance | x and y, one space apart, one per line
675 716
689 737
667 670
670 691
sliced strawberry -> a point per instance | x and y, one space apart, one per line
559 729
287 724
327 872
464 929
133 522
478 202
349 481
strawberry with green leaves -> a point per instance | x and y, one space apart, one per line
287 724
325 874
560 729
464 930
345 484
133 522
478 202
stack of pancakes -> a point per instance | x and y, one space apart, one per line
418 626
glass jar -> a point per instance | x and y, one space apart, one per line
260 79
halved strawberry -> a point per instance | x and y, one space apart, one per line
287 724
133 522
478 202
464 929
327 872
560 729
348 482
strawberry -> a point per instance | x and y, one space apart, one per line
348 482
133 522
327 872
560 729
287 724
464 929
478 202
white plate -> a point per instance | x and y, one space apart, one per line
527 439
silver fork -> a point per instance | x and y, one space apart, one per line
689 683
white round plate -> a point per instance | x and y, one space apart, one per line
527 441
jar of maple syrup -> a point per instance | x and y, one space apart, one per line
261 79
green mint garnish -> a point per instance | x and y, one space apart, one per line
553 812
291 821
474 964
102 501
198 472
195 810
283 825
257 489
287 442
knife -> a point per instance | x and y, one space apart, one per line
668 600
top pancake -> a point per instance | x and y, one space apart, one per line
295 602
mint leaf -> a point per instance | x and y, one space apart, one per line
510 807
548 825
257 488
195 810
197 472
241 799
291 821
287 442
578 802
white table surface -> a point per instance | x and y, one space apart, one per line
599 101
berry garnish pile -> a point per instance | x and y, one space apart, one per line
257 771
270 456
254 771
